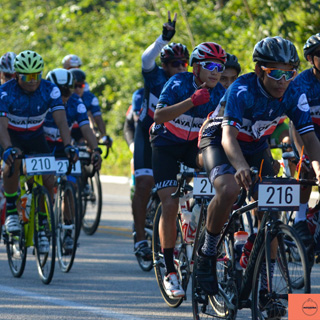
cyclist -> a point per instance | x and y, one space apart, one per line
92 104
184 103
174 59
24 104
6 67
309 81
72 61
253 106
129 128
231 72
76 112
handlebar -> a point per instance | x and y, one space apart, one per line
182 184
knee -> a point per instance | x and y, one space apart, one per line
228 192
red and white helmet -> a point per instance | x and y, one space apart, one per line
208 50
71 61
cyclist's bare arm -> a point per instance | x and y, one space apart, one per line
5 140
60 119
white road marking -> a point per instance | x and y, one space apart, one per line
69 304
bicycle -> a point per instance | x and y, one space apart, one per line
234 283
153 203
17 244
89 192
184 250
67 213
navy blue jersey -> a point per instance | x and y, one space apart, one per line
250 109
91 102
26 111
75 111
185 127
307 81
153 85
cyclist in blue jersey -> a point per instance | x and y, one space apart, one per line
231 72
24 103
184 103
174 59
93 108
309 81
253 106
6 67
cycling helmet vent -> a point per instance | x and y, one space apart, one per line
232 62
7 62
28 62
311 45
61 77
174 51
207 51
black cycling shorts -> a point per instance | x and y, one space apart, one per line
165 162
142 152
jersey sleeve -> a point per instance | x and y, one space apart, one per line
81 115
3 103
55 102
169 93
94 106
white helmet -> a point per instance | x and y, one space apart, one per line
71 61
61 77
7 62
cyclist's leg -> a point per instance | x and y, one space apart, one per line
144 184
220 173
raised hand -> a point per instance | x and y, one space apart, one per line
168 28
201 96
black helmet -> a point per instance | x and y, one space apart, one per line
232 62
276 49
78 75
312 43
174 51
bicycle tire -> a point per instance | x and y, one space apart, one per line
66 225
16 252
45 261
92 205
152 207
282 276
158 259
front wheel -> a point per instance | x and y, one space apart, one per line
91 194
44 226
285 276
158 259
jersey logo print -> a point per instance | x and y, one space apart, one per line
242 89
176 84
3 94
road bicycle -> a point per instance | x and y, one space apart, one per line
67 213
153 203
235 285
17 244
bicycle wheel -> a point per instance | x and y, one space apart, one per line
16 252
286 275
158 259
92 204
150 214
45 261
68 220
205 306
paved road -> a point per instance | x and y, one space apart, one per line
105 281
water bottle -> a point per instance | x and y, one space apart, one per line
195 215
188 233
240 238
26 206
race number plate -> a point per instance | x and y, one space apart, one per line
202 186
275 195
40 165
84 155
62 167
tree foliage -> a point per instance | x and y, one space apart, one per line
110 37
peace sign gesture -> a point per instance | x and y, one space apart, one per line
168 28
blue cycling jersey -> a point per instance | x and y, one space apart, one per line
154 81
307 81
185 127
250 109
91 102
75 112
26 111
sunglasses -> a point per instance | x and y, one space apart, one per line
79 85
8 75
277 74
212 66
27 77
178 63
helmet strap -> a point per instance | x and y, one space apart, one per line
315 68
197 74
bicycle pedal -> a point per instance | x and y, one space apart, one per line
159 264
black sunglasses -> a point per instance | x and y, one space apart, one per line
178 63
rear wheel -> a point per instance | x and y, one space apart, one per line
44 221
158 258
68 220
92 204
